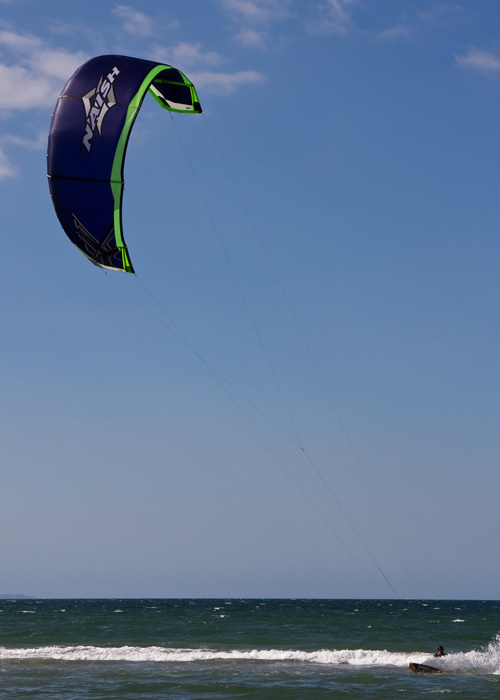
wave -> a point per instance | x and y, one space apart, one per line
485 661
357 657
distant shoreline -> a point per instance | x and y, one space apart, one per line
16 596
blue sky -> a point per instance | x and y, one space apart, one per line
298 394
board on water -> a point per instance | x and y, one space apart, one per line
422 668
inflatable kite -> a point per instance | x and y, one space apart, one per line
88 139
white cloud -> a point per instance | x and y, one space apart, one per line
33 144
134 22
58 26
253 19
19 42
191 58
401 30
57 63
483 61
256 11
23 89
441 11
36 144
39 80
6 169
187 55
224 83
36 74
250 38
334 17
32 72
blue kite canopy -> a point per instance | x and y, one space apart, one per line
88 138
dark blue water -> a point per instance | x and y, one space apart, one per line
194 649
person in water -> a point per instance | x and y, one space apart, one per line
440 652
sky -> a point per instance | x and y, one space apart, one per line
297 395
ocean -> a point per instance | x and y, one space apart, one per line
231 648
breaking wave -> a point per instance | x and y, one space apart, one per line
481 661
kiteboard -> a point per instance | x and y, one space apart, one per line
422 668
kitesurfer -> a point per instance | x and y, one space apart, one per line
440 652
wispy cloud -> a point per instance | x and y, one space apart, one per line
334 17
186 54
6 168
34 71
397 32
21 88
253 19
33 77
19 42
483 61
36 144
251 38
257 11
134 21
224 83
441 11
190 56
57 63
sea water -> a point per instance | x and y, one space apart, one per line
231 648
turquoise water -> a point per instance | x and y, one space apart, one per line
196 649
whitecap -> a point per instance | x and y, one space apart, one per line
354 657
483 661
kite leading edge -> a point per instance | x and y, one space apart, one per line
88 139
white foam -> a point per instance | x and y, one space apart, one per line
481 661
357 657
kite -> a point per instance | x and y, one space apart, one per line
88 139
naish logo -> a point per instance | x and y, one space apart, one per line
97 103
